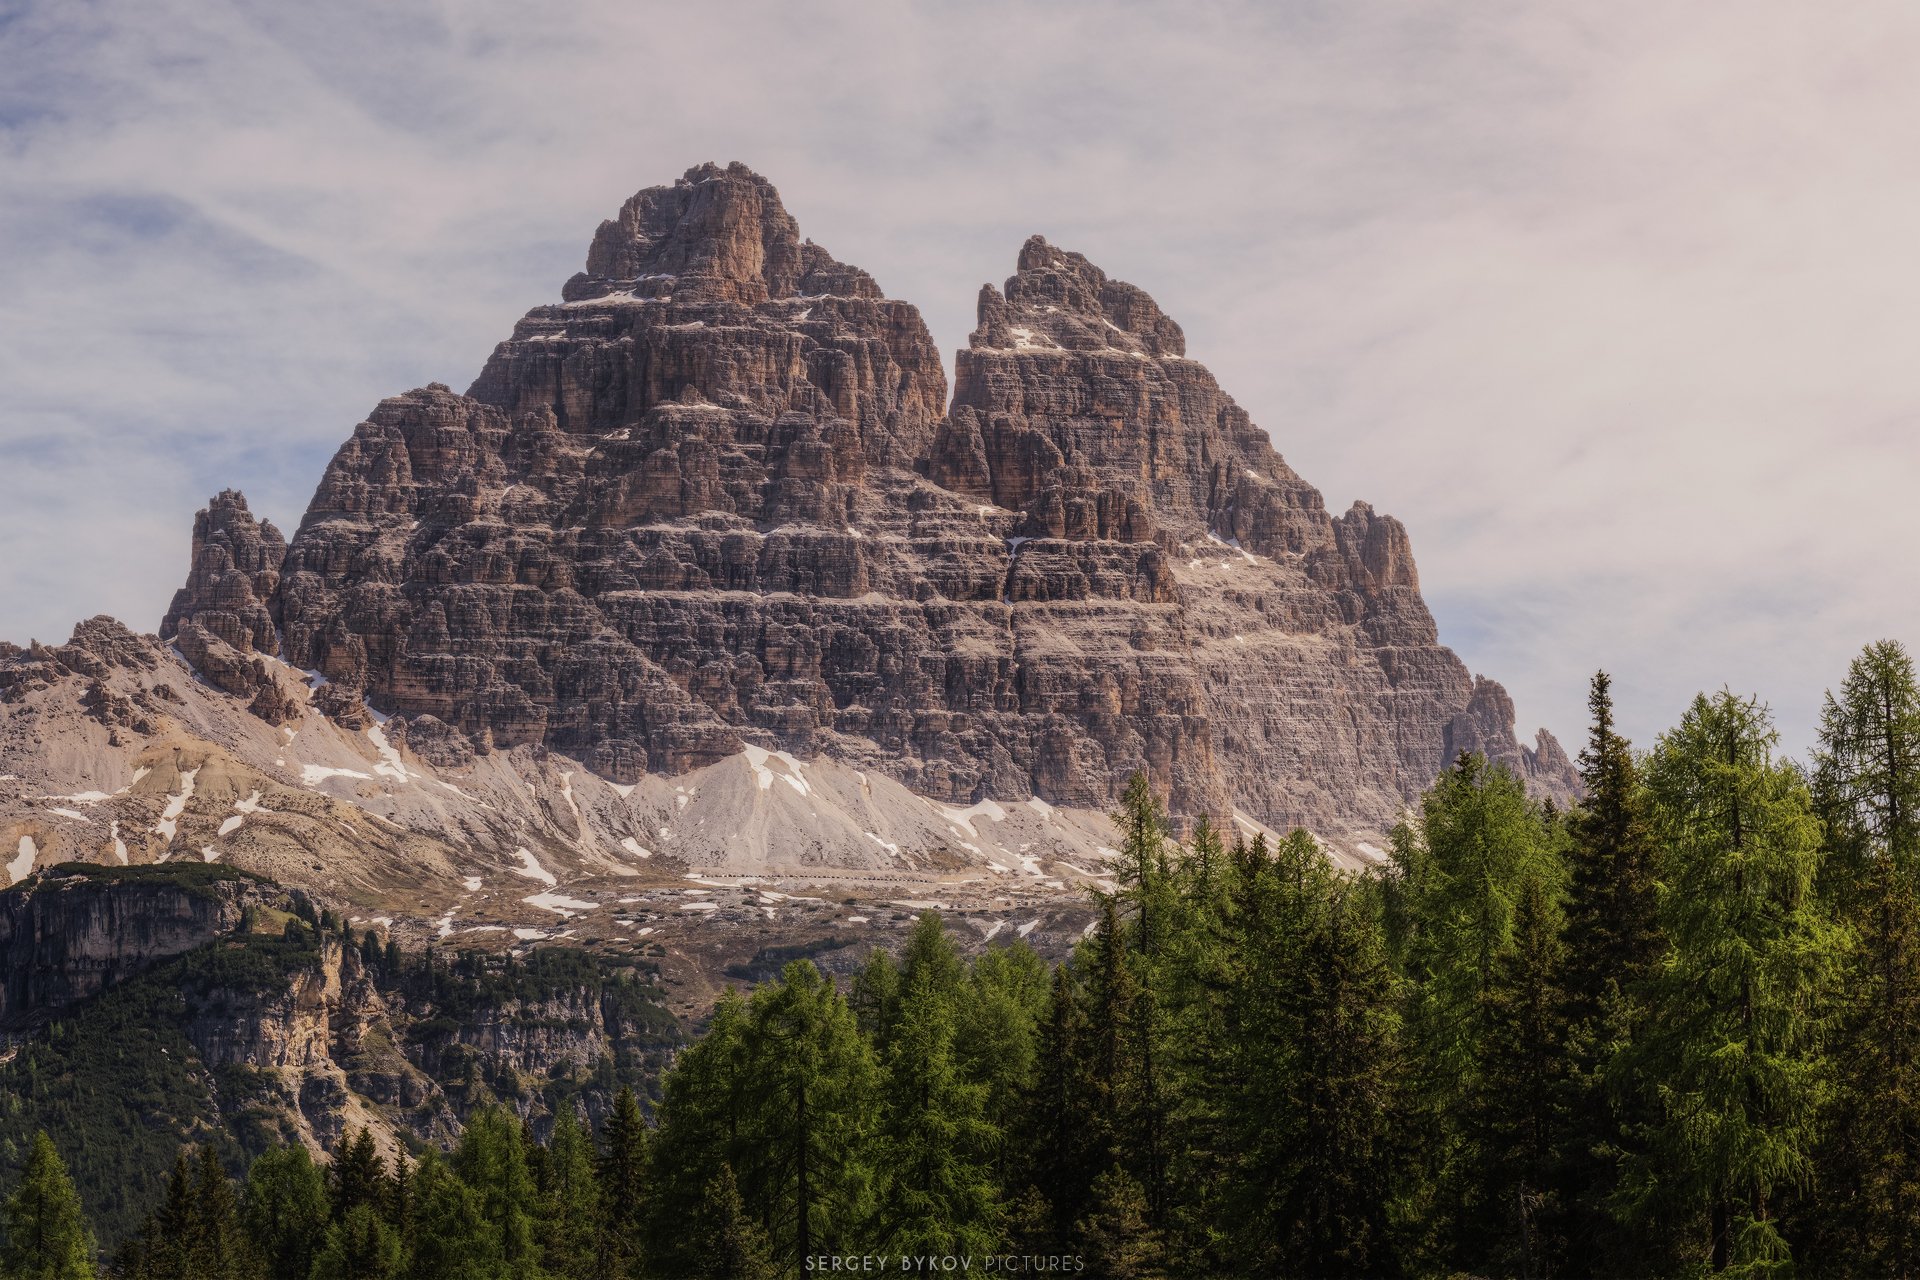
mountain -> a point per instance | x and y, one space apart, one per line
706 574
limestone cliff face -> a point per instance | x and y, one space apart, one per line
716 497
66 938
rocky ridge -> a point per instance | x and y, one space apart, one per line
711 526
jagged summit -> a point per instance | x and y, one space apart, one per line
715 235
1058 300
717 502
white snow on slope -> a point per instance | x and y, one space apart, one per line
169 822
758 757
22 866
530 868
557 903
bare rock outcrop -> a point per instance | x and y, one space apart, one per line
716 497
235 571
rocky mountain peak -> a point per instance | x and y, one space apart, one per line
1056 299
717 501
234 573
715 235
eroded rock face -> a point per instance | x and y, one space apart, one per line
236 569
712 498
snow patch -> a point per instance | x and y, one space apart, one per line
391 765
530 868
232 824
22 866
557 903
633 847
119 845
1041 807
169 822
699 906
757 758
75 814
314 774
966 817
1027 928
472 883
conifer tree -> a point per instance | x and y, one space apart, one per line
452 1239
875 998
1479 843
728 1244
704 1121
997 1038
491 1160
621 1189
569 1201
43 1231
1060 1148
1866 779
357 1174
1867 788
218 1248
1737 1007
1521 1099
1118 1241
806 1167
939 1195
361 1246
284 1209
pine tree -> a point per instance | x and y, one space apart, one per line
1118 1241
1521 1100
875 998
805 1169
1866 779
284 1209
622 1189
569 1201
491 1160
704 1120
44 1229
1737 1006
1867 789
1060 1148
997 1038
1480 842
728 1244
361 1246
452 1238
357 1174
939 1196
218 1248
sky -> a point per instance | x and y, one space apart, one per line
1614 304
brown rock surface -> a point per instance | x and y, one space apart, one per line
711 499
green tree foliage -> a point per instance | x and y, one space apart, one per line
1867 789
357 1176
284 1210
726 1242
569 1202
491 1161
361 1246
1738 1003
939 1196
621 1190
46 1234
1675 1032
1483 846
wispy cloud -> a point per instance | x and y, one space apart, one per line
1612 303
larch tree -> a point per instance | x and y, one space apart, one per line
45 1231
1737 1006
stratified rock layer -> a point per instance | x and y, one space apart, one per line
712 498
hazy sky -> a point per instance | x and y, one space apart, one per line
1614 304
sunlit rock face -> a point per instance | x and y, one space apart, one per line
717 496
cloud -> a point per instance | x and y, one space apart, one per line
1611 303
